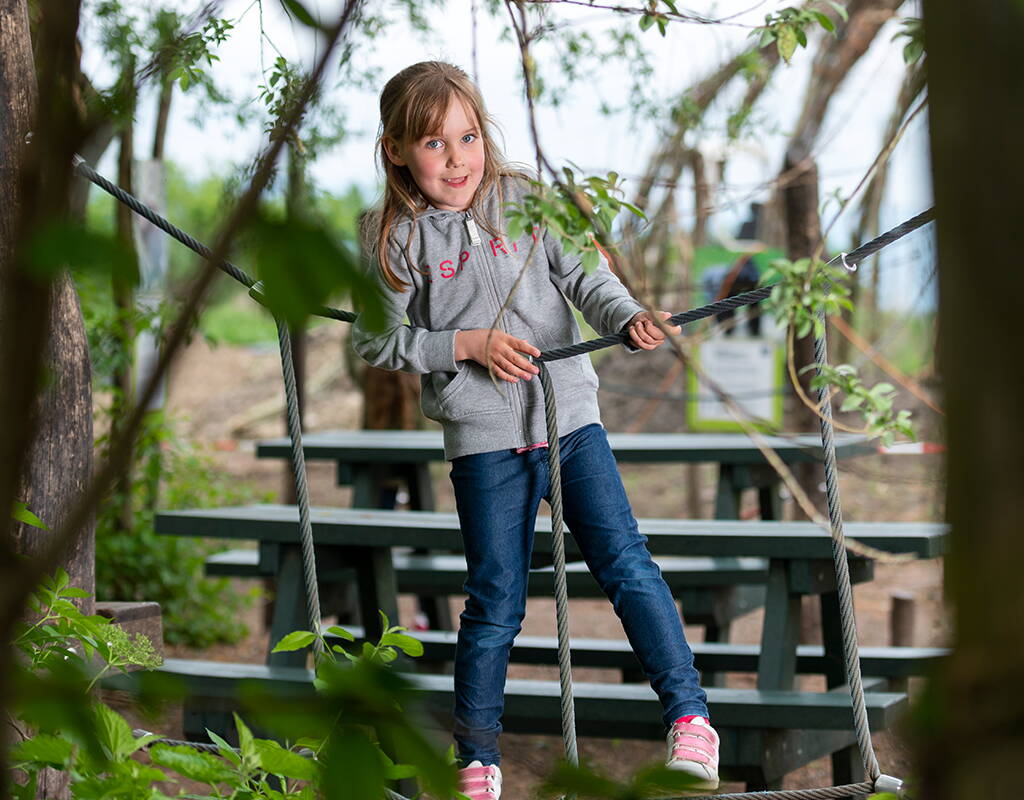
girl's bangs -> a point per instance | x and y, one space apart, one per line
425 114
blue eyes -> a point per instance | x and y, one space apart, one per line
437 144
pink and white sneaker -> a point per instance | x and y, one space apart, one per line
693 749
478 782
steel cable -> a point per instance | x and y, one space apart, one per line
301 488
558 559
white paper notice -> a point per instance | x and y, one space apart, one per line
747 369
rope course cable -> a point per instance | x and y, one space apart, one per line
877 781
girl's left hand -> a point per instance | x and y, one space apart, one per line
645 333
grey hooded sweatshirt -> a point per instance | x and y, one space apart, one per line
461 276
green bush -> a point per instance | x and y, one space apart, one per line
133 563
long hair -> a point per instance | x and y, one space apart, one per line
413 104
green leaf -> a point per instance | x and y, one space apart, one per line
396 772
634 210
786 42
302 265
646 21
226 750
299 10
841 10
22 514
341 633
407 644
44 749
70 244
825 21
353 767
114 733
295 640
192 764
246 745
276 760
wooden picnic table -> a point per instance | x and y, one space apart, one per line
797 555
374 461
368 460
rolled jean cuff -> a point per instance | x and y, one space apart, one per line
476 745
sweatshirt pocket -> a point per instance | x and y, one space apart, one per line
451 396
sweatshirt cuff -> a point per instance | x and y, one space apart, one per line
439 351
623 314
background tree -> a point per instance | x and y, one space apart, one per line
971 724
47 454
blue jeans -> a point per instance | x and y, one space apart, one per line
497 495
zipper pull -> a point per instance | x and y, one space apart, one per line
474 234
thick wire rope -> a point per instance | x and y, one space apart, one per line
301 487
176 233
558 558
850 260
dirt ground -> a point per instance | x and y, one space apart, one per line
228 396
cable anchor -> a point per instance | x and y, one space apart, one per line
887 783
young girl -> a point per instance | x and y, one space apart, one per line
443 262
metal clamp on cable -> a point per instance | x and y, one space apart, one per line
849 267
76 161
887 783
256 293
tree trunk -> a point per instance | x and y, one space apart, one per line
971 722
122 382
46 441
163 114
835 58
803 232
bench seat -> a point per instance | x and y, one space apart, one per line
888 662
429 574
711 591
533 706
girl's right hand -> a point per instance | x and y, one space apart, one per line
500 353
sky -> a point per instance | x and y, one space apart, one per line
202 140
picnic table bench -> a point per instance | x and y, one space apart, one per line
795 560
764 734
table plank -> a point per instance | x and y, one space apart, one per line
406 447
440 531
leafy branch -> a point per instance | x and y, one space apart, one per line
804 294
571 209
874 404
788 27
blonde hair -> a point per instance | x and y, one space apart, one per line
413 104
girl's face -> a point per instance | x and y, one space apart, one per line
447 166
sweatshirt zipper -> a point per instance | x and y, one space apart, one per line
474 234
518 407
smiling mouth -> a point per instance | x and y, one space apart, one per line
457 182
